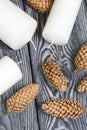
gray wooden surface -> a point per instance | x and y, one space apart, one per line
33 117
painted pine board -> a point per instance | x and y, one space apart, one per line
26 120
65 56
33 117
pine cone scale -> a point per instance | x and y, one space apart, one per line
83 85
63 108
42 6
54 75
81 58
22 98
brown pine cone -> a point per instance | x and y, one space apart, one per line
42 6
63 108
54 75
83 86
81 58
22 98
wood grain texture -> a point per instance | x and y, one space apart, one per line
26 120
33 118
65 56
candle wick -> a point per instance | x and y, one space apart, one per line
33 45
19 62
48 47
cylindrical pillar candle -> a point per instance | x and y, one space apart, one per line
16 26
61 20
10 74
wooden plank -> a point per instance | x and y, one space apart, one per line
26 120
65 56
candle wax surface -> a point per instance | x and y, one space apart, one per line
60 21
10 74
16 26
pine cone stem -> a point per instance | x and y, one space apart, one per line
44 107
51 56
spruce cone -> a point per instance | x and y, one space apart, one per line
22 98
83 86
54 75
63 108
42 6
81 58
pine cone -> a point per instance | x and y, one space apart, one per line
63 108
42 6
54 75
81 58
83 86
22 98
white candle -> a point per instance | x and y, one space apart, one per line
10 74
16 26
61 20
